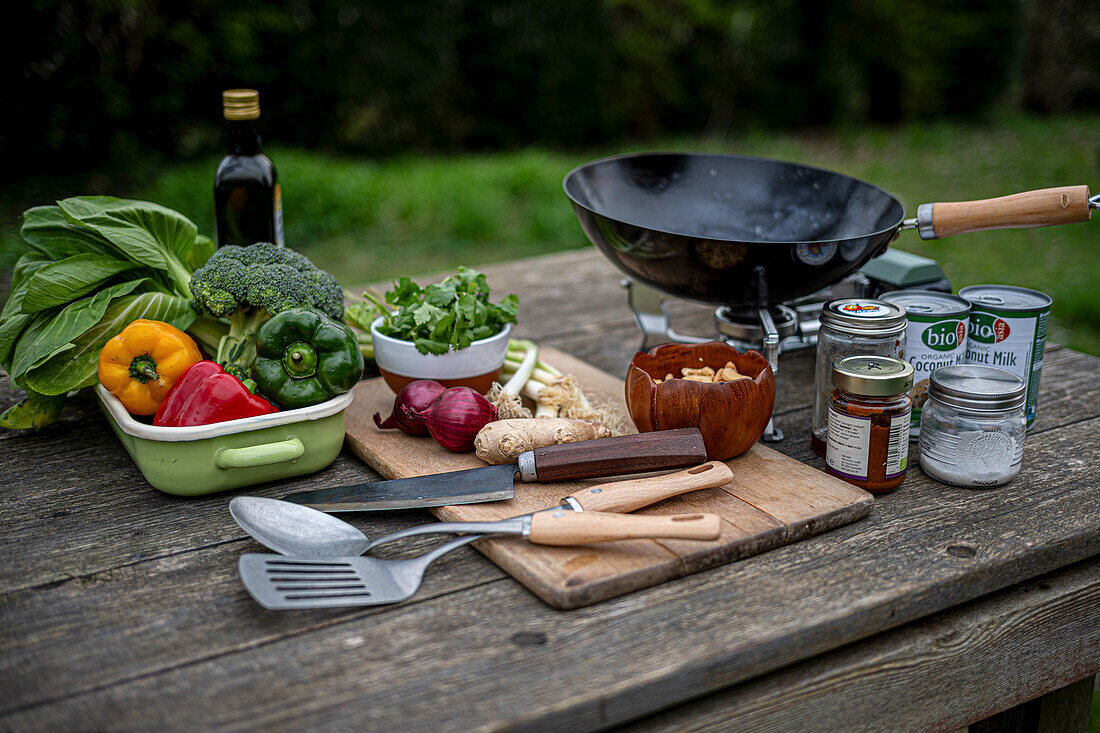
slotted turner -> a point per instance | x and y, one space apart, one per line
280 582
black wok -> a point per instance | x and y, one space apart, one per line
738 230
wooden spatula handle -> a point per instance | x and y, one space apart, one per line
626 496
619 455
1041 208
562 527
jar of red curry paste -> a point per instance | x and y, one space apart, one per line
869 413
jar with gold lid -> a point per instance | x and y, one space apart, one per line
868 421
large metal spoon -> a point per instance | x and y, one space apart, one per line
294 529
300 531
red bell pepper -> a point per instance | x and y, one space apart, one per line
205 394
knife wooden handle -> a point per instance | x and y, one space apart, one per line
563 527
620 455
626 496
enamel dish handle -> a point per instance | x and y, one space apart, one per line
264 454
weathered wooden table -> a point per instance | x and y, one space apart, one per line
121 607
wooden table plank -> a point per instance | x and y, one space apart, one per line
122 608
606 664
870 686
143 619
98 513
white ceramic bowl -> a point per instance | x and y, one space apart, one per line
476 366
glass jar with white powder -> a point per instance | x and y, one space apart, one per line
973 425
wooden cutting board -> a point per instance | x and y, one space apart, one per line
773 501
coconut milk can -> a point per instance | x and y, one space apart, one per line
1008 330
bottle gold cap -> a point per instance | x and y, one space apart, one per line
241 104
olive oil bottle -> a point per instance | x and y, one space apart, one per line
247 200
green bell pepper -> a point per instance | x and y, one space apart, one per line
303 357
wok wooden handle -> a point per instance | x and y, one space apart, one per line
619 455
626 496
563 527
1045 207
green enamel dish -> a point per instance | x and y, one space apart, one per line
205 459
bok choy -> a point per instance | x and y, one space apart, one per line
95 263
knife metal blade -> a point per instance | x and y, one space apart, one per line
471 486
614 456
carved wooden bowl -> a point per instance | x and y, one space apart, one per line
731 415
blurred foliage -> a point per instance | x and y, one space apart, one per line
370 220
111 80
1061 64
123 96
785 62
100 78
375 219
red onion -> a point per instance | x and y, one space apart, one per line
418 395
455 417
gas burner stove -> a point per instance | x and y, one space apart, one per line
778 327
788 327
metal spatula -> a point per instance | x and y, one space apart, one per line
279 582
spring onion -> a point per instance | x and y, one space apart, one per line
518 364
560 395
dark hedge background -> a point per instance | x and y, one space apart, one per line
102 82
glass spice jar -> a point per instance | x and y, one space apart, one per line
851 326
868 425
973 426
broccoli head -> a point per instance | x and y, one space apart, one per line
264 276
250 284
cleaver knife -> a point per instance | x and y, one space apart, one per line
615 456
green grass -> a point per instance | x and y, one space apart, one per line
369 220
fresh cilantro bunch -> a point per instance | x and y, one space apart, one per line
450 315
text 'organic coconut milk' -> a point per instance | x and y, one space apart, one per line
1008 330
935 337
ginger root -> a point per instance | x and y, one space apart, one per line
502 441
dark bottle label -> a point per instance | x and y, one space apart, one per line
279 215
244 215
246 212
247 201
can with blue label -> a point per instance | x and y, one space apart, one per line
935 337
1008 330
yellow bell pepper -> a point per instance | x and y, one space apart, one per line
139 365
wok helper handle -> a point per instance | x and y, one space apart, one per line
562 527
626 496
1041 208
